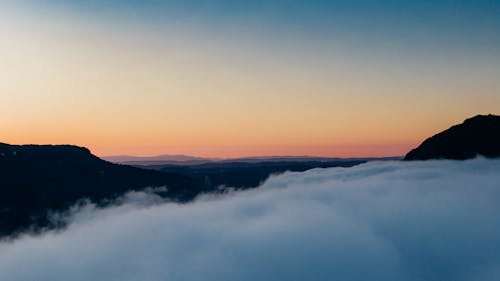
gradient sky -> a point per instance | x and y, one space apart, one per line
237 78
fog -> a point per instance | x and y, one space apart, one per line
435 220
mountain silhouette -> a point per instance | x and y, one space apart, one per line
479 135
37 178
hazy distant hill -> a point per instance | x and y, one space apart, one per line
479 135
159 159
185 160
35 178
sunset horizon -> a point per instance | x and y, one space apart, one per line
250 140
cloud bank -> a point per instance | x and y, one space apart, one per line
437 220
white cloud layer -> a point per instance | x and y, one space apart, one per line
436 220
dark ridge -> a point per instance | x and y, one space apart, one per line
479 135
242 175
38 178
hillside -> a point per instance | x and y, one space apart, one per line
36 178
479 135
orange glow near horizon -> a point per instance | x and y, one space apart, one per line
345 151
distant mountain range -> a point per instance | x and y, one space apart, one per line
159 159
191 160
479 135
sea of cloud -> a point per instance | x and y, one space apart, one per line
435 220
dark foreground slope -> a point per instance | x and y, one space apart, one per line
34 179
479 135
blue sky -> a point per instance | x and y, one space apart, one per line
461 23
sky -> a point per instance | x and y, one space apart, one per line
244 78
